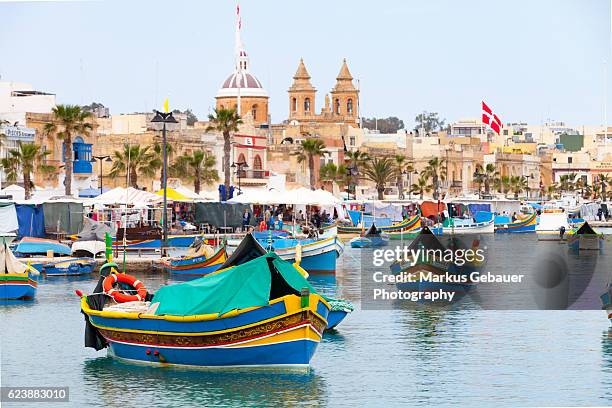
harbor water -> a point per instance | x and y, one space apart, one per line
375 358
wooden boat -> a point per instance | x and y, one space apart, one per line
317 255
460 226
18 281
527 224
30 246
201 261
262 313
406 225
407 235
428 273
585 238
374 237
550 225
250 249
69 267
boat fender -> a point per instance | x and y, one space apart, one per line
119 296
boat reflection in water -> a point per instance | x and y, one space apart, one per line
238 387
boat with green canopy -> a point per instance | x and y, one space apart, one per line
260 313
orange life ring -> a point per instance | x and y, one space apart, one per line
119 296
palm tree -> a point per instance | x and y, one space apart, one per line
551 190
334 174
309 149
479 177
355 160
436 170
490 173
135 160
199 166
604 180
225 121
596 190
68 120
421 186
504 184
402 166
380 171
518 184
22 161
566 182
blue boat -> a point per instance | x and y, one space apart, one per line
196 264
339 310
504 224
372 238
69 267
29 246
250 249
317 256
262 313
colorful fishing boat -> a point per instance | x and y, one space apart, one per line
69 267
406 225
427 270
250 249
202 261
317 255
262 313
460 226
408 235
504 224
585 238
17 279
374 237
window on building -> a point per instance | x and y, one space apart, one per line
349 106
254 111
352 141
337 106
569 160
257 165
307 105
505 132
293 104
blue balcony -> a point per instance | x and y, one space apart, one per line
82 157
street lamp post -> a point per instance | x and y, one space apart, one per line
239 168
164 117
102 158
410 183
353 172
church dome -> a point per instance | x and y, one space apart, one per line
244 82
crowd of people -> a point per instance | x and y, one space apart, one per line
273 217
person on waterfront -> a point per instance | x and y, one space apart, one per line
246 219
300 216
280 220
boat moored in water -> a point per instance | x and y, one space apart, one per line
18 281
201 260
373 237
585 238
262 313
69 267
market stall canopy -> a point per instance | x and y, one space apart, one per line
131 195
188 193
173 195
299 196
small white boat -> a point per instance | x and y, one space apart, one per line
550 226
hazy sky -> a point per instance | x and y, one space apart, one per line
530 59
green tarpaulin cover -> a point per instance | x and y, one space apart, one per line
254 283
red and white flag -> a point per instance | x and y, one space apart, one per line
491 119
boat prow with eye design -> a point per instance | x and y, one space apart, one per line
260 313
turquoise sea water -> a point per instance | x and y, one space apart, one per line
376 358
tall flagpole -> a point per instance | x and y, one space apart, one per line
238 51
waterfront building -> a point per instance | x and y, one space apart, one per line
19 98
